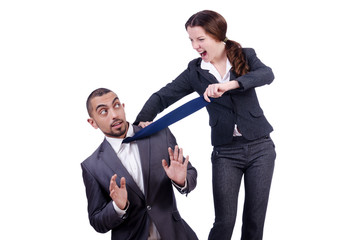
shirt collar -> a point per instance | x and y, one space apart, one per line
211 68
117 142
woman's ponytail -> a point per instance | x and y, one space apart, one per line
234 53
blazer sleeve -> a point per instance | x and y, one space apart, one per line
101 213
191 177
166 96
259 74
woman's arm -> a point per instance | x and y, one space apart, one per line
165 97
218 89
258 75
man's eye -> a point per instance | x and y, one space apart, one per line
103 112
117 105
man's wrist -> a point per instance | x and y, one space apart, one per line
179 184
126 206
120 211
181 188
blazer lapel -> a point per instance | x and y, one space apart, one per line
111 159
208 76
144 150
232 75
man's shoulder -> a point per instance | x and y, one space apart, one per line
136 128
165 130
159 137
94 156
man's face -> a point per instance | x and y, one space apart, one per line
108 115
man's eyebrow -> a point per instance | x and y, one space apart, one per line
100 105
115 99
104 105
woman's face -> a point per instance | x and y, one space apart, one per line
209 49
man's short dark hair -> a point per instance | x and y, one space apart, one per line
96 93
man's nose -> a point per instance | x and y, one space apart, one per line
113 114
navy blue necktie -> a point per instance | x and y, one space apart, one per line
170 118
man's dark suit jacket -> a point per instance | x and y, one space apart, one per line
239 106
158 203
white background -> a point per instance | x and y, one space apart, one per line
54 53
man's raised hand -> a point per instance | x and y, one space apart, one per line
118 194
177 170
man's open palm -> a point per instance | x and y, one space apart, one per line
177 170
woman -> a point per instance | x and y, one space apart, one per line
239 130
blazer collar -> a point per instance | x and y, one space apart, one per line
208 76
205 73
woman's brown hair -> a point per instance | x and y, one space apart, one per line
215 25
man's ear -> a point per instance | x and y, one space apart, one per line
92 122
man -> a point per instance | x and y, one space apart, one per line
143 205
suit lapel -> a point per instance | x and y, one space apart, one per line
232 75
208 76
144 150
111 159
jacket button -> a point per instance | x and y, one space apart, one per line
149 208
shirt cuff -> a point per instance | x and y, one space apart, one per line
119 211
182 189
